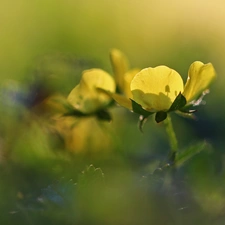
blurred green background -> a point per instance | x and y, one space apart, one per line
46 45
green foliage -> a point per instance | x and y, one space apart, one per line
89 177
188 153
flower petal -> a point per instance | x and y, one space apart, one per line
85 96
155 89
120 99
128 77
120 66
200 76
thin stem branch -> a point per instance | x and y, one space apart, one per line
172 137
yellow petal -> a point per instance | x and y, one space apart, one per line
155 89
79 137
120 66
56 104
123 101
128 77
85 96
200 76
120 99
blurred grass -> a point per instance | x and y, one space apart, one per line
51 42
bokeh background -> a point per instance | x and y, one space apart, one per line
44 47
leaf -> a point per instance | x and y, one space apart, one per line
90 176
183 156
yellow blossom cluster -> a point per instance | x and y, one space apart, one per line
158 90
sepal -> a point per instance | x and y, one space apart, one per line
160 116
178 103
137 108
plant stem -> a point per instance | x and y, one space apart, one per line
172 138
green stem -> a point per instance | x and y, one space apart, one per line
172 137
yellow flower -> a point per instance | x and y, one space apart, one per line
79 137
86 97
123 75
155 89
161 89
73 117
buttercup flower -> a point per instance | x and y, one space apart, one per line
77 113
155 89
86 97
123 75
160 90
79 138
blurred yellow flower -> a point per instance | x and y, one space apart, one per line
161 89
85 135
86 97
123 75
78 119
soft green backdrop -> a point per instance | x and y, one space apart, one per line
62 37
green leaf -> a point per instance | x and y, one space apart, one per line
89 177
178 103
188 153
160 116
